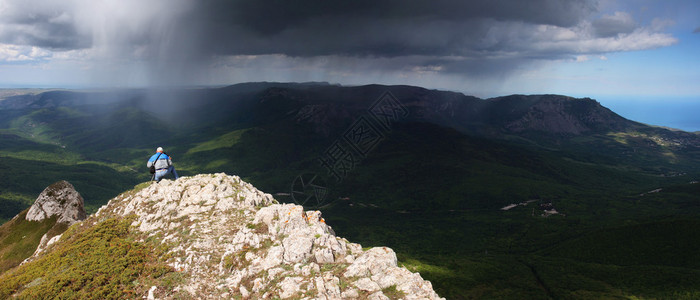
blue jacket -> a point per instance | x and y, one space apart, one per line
163 162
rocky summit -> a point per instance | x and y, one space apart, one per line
229 240
59 199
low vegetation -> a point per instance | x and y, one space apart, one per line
431 193
98 262
19 239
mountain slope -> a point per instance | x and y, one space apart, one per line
220 237
56 208
445 167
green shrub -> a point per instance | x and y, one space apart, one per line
91 262
393 293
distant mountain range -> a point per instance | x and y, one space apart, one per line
379 158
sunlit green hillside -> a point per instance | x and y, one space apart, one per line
595 200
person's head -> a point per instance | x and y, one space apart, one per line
160 149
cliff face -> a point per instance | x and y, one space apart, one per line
228 240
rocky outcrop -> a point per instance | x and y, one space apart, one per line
231 240
59 199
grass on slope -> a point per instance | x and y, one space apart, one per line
19 239
91 262
224 141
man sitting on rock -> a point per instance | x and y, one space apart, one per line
162 163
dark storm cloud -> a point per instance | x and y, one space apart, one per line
373 28
269 17
44 27
182 40
196 31
447 36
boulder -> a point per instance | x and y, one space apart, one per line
59 199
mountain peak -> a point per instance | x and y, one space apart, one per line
59 199
227 239
557 114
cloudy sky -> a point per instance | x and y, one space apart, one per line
480 47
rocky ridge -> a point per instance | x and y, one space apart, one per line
231 240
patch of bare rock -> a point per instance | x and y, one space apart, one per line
231 240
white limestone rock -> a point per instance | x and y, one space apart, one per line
297 248
351 293
290 286
59 199
367 285
374 261
231 240
378 296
